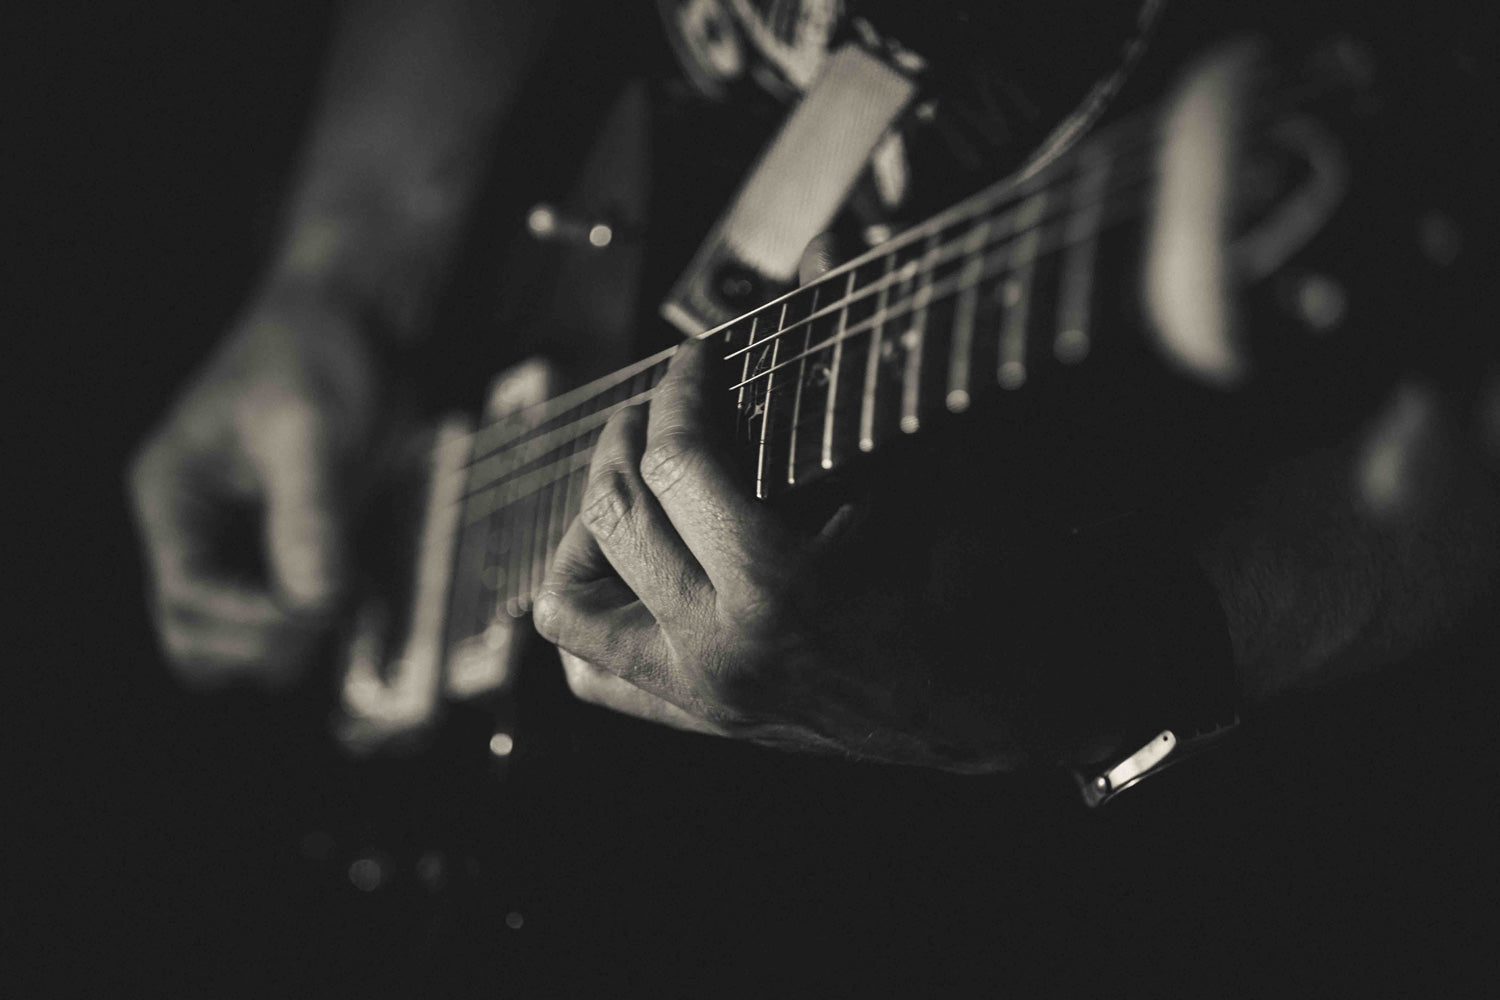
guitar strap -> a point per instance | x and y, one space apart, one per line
792 193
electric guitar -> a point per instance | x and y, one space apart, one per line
1011 317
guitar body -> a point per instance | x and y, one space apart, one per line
507 833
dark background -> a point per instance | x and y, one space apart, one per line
155 838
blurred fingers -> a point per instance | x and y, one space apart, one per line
293 447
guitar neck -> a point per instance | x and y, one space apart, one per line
992 295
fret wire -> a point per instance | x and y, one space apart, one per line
739 403
911 340
872 365
1016 298
1071 344
826 459
791 459
765 413
963 320
541 530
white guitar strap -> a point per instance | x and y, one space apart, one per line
794 190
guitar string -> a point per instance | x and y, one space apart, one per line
506 461
582 447
527 565
1060 238
1127 137
516 490
523 449
1105 148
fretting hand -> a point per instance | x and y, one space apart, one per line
678 598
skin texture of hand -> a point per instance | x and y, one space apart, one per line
680 599
269 431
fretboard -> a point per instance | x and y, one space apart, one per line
991 296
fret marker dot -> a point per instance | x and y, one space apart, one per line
1072 346
958 401
909 424
1012 375
911 340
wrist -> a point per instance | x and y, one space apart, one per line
386 270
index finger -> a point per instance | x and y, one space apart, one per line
738 541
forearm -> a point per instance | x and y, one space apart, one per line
411 100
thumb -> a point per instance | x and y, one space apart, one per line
293 450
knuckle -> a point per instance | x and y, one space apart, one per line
668 459
607 503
